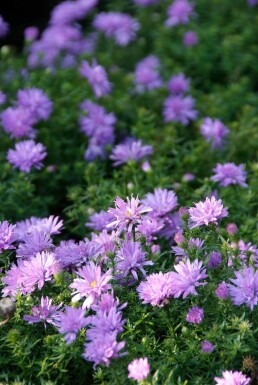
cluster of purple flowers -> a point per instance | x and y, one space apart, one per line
179 12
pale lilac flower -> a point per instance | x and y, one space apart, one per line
204 213
190 38
214 259
107 302
195 315
17 122
178 84
33 243
252 3
172 224
70 254
244 288
50 225
162 201
129 258
188 177
45 312
157 289
71 322
207 346
179 109
146 167
2 98
127 214
99 221
222 290
103 243
146 76
27 154
31 33
139 369
68 12
132 150
214 131
7 236
145 3
247 250
4 27
187 277
121 26
193 243
229 173
97 78
149 228
232 378
232 228
91 284
179 238
37 102
179 12
105 322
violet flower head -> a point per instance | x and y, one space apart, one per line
45 312
252 3
150 227
71 322
156 290
7 236
214 131
17 122
232 228
68 12
179 109
99 221
207 212
31 33
91 284
187 277
162 201
121 26
36 101
190 38
71 254
214 260
33 243
130 258
207 346
2 98
51 226
27 154
139 369
4 27
130 151
244 288
97 78
178 84
179 12
105 322
127 213
195 315
222 291
229 173
232 378
146 76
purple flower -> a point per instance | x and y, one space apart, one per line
128 213
144 3
105 322
120 26
97 78
17 122
51 226
232 228
207 346
156 290
7 236
222 290
172 224
2 98
70 254
190 38
244 289
178 84
99 221
146 75
214 132
149 227
31 33
229 173
4 27
37 102
214 259
179 13
179 109
192 243
107 302
187 277
139 369
45 312
129 258
132 150
252 3
232 378
91 284
195 315
34 242
71 322
27 154
103 243
68 12
162 201
204 213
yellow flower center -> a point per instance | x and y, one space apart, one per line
93 284
128 213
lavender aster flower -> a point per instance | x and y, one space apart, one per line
139 369
146 75
178 84
232 228
71 254
179 109
71 322
51 226
214 259
120 26
31 33
214 132
252 3
4 27
222 291
133 150
17 122
244 288
207 346
144 3
195 315
190 38
37 102
27 154
179 12
105 322
97 78
232 378
68 12
156 290
7 236
204 213
91 284
99 221
162 201
45 312
2 98
187 277
149 228
229 173
34 243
